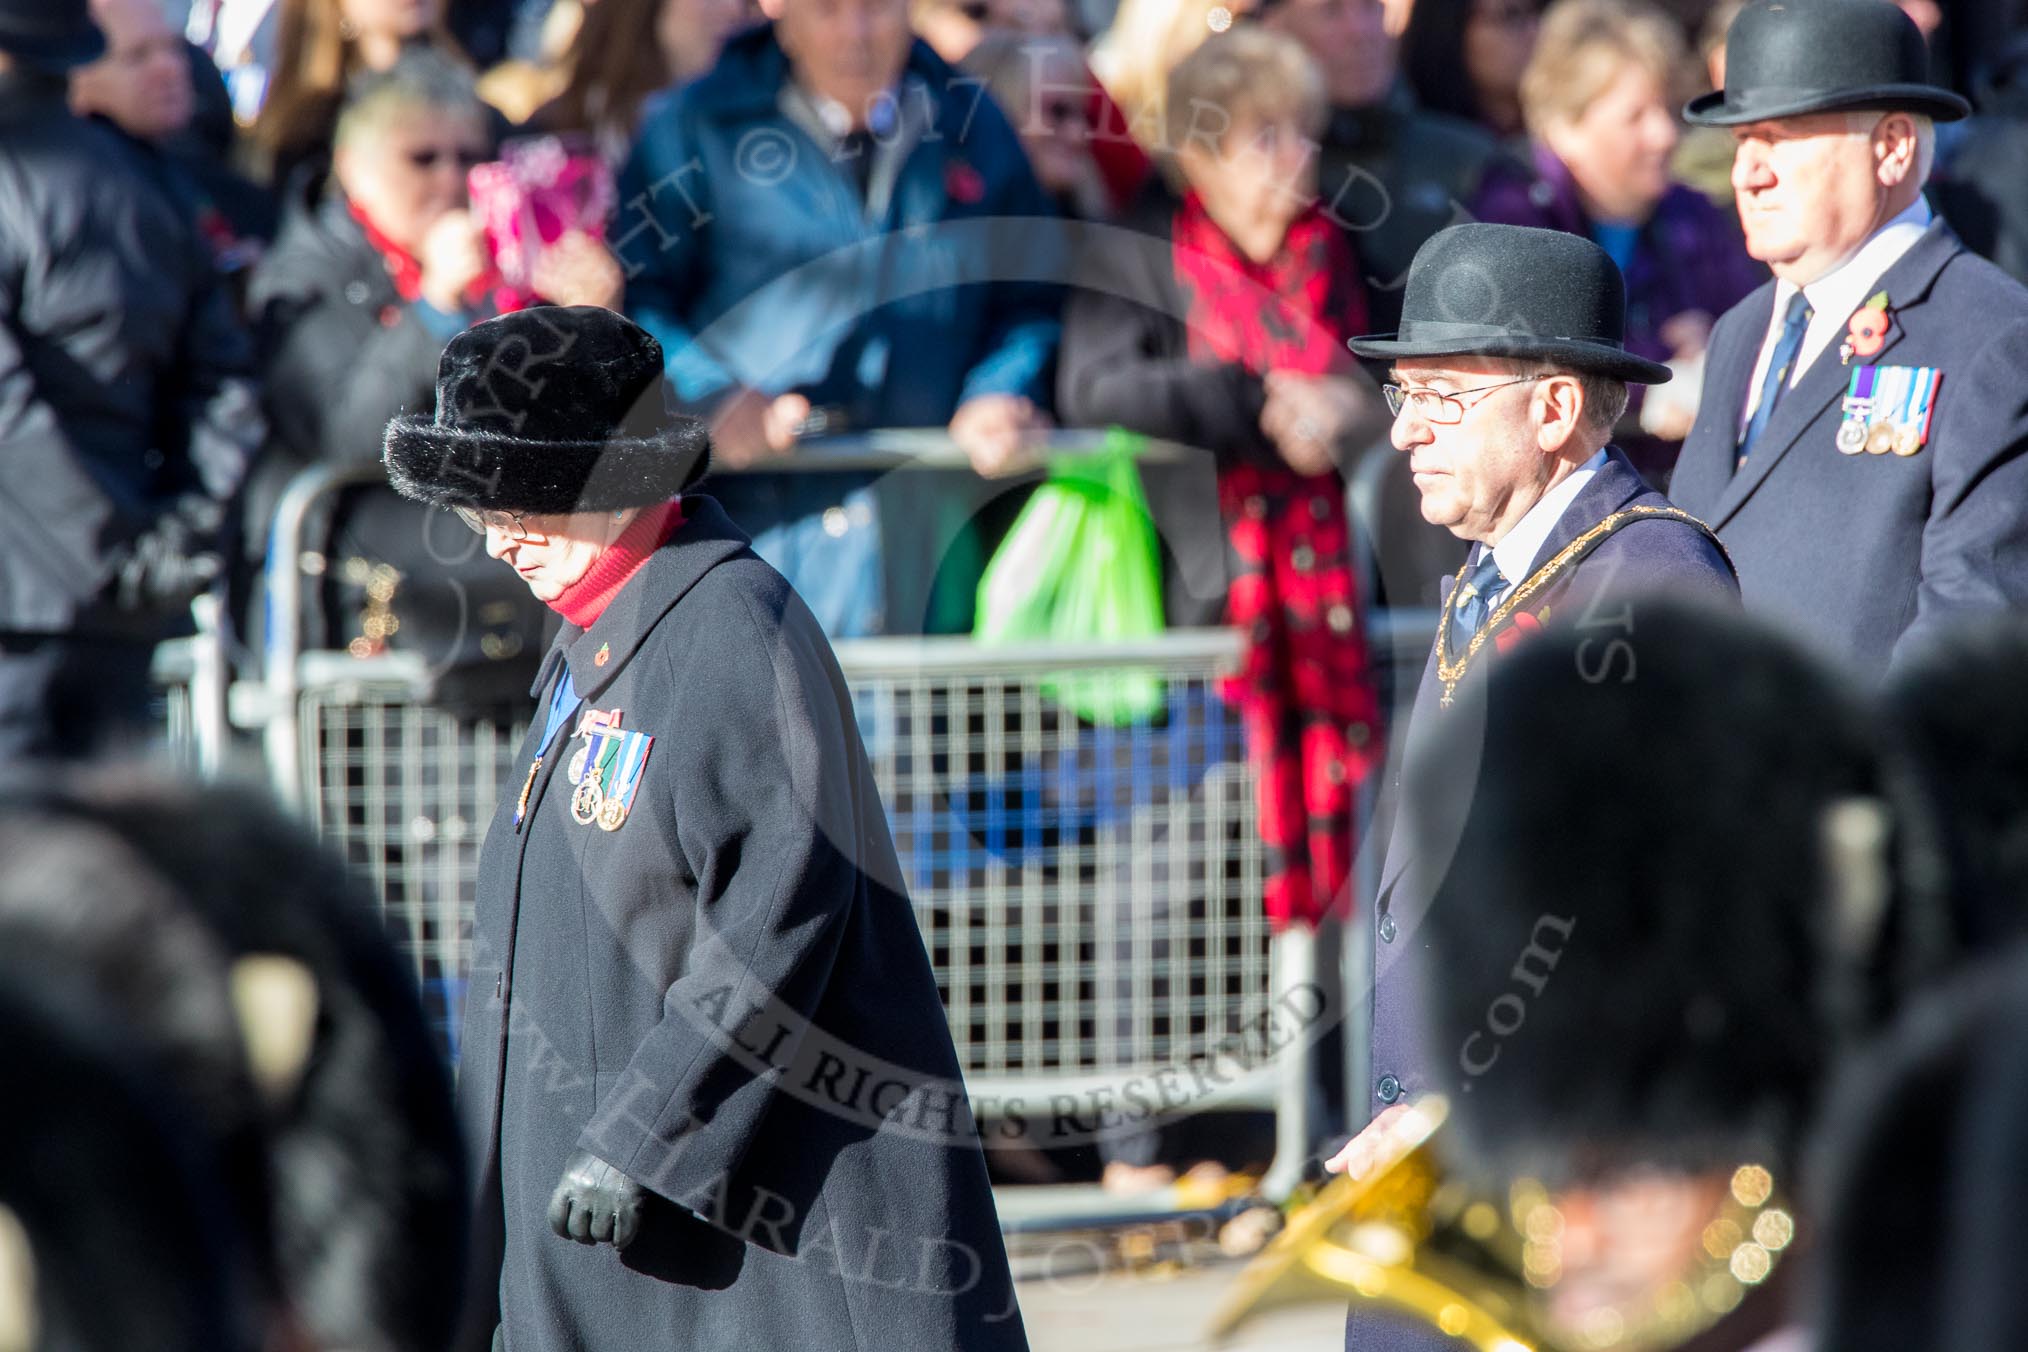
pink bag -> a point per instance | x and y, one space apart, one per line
540 189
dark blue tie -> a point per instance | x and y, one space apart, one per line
1477 595
1778 366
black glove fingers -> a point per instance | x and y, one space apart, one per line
626 1224
580 1220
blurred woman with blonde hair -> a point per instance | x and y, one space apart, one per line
1149 39
322 45
1600 96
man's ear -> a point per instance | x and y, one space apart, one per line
1894 149
1561 402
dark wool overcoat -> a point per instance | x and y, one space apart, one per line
726 997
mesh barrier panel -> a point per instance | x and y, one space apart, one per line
1090 895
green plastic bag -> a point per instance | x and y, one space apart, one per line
1080 565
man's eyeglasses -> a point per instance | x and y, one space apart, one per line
1436 406
429 157
513 525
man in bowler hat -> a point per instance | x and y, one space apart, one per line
1507 376
127 404
1858 447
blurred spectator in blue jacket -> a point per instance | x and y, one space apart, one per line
149 84
832 229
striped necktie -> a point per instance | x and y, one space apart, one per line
1477 595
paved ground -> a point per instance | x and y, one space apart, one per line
1163 1310
1094 1291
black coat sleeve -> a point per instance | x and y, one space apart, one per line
333 381
1124 361
218 400
769 819
65 526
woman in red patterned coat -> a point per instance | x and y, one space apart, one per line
1217 320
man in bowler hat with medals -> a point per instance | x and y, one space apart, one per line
1858 447
1506 378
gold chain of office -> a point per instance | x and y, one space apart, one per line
1450 671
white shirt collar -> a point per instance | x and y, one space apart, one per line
1516 552
1835 295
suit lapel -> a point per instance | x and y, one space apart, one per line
1907 284
1705 467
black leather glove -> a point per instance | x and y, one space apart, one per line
170 563
595 1203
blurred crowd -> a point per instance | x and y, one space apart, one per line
997 219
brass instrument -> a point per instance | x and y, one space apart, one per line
1406 1238
1410 1239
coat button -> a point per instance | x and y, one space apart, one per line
1320 507
1387 929
836 523
1340 619
1390 1089
358 292
1303 558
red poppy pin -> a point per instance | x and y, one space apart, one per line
963 184
1523 625
1866 334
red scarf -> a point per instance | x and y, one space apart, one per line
1304 688
406 270
584 600
1291 313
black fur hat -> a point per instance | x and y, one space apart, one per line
1640 933
369 1204
1919 1173
552 409
106 1170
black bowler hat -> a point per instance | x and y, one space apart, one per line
552 409
1784 58
50 34
1482 290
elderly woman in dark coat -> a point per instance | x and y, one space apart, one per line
706 1073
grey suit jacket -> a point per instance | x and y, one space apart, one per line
1865 556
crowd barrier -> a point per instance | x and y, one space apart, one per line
1090 895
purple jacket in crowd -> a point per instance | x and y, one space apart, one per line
1689 256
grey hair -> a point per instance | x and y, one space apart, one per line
1605 402
1862 123
1605 397
421 78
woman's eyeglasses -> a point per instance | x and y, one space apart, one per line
429 157
1439 407
513 525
